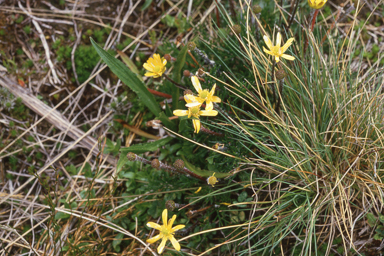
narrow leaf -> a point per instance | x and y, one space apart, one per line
129 78
177 69
150 146
130 64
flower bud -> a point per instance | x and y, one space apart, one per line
191 46
170 205
155 163
179 164
280 74
256 9
187 73
236 29
212 180
131 156
167 57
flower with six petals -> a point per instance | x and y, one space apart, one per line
204 95
194 111
155 66
166 232
278 50
316 4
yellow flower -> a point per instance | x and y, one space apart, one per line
278 51
194 111
316 4
212 180
166 232
155 66
204 95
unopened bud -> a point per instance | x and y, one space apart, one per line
256 9
236 29
170 205
167 57
131 156
280 74
179 164
187 73
191 46
187 92
155 163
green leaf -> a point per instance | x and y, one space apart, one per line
203 173
145 147
381 218
130 64
129 78
61 216
117 241
122 161
146 4
177 69
371 219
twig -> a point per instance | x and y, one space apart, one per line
54 118
293 14
176 84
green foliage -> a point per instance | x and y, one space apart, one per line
178 22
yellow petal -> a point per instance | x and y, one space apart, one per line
151 74
267 41
287 44
164 216
170 222
156 57
266 51
196 83
193 104
155 238
288 57
164 62
209 105
175 243
208 113
154 225
213 89
277 59
179 112
278 40
196 125
148 67
178 227
160 249
215 99
197 191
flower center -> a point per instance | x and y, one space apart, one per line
195 111
204 94
165 231
156 69
275 50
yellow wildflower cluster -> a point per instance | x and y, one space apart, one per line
194 104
